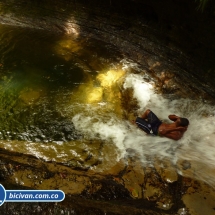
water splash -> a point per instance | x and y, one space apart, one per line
196 146
88 84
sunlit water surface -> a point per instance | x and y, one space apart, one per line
70 100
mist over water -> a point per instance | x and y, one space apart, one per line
196 147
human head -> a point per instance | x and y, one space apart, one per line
183 122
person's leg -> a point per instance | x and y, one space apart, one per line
152 118
143 125
154 121
145 114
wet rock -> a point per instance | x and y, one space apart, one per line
199 171
3 172
186 165
133 182
182 211
166 170
199 199
152 193
165 205
117 169
129 186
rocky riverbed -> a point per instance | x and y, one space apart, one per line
127 186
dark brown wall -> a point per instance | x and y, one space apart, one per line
173 30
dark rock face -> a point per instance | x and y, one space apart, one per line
171 31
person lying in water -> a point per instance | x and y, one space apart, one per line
150 123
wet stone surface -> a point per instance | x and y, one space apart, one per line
145 43
129 187
133 188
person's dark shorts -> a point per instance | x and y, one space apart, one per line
149 125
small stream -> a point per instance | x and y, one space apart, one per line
70 100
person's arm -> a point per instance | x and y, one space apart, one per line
173 117
182 129
175 133
166 130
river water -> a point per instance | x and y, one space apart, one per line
71 100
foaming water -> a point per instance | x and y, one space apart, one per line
69 102
196 146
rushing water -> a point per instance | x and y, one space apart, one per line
71 99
